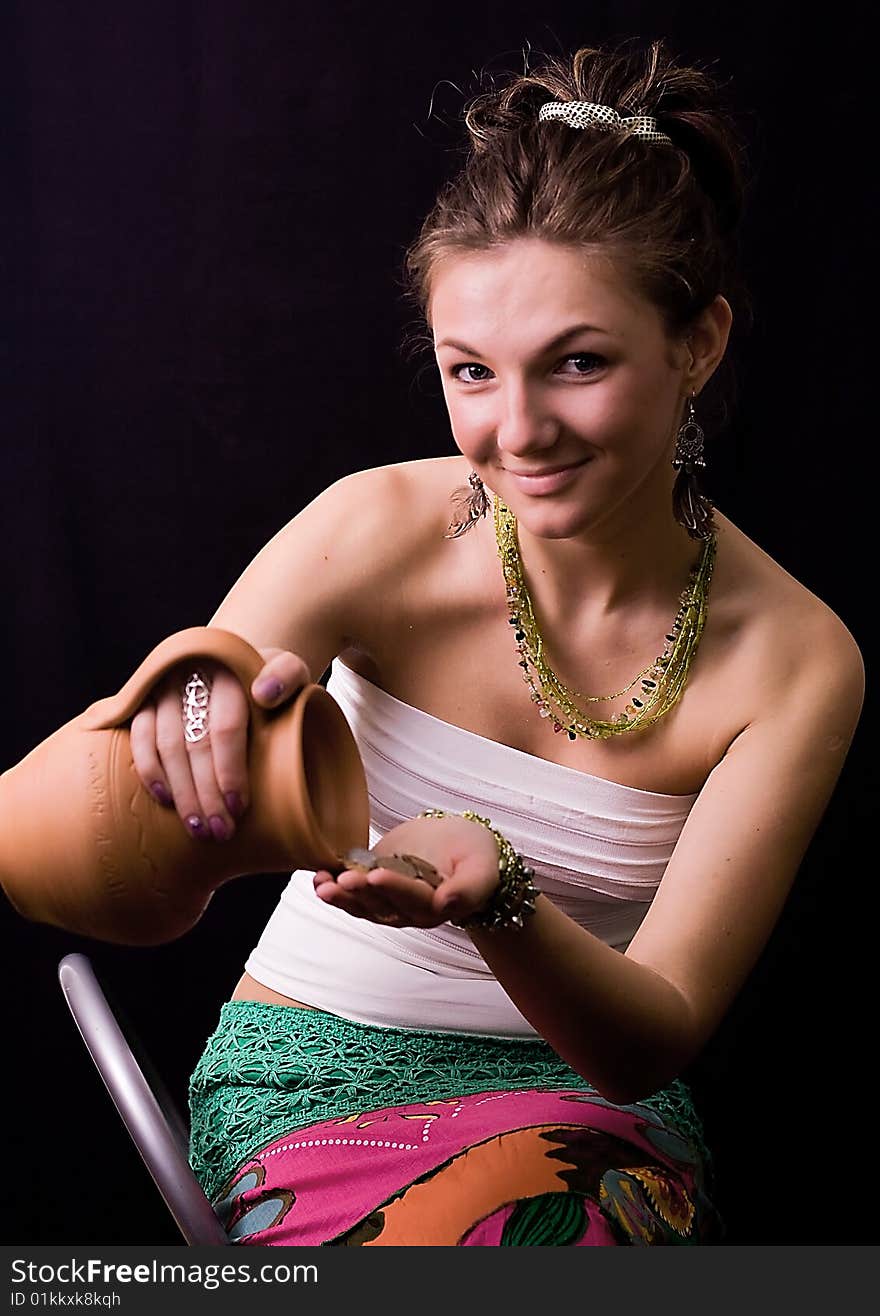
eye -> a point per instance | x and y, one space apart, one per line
469 365
588 363
590 359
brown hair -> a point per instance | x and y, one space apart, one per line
667 214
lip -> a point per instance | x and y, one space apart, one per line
546 481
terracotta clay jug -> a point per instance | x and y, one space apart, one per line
85 847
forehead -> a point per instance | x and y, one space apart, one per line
534 288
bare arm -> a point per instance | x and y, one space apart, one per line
631 1022
298 602
305 590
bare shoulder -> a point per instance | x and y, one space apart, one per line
791 645
411 498
797 672
421 487
333 576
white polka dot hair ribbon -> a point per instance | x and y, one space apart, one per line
584 114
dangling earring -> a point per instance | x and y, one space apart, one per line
470 507
690 506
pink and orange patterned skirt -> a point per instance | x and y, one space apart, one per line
476 1141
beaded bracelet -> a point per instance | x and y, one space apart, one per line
514 899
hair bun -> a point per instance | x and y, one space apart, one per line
666 211
631 79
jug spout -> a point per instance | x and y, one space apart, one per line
84 847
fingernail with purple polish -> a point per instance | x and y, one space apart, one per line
197 827
159 792
234 803
219 829
268 689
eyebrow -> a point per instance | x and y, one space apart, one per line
554 342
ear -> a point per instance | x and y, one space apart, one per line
706 343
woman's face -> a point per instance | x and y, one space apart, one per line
549 358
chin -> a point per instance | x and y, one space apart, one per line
555 522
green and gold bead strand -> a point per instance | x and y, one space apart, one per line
661 683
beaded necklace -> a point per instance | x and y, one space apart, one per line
661 683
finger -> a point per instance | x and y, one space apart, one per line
217 752
359 895
369 899
411 897
176 762
211 805
281 677
147 765
332 894
224 791
183 740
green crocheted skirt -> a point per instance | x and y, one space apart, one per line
269 1070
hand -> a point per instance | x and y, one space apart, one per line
465 854
207 781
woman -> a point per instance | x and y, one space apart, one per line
604 718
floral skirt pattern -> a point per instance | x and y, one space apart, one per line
520 1163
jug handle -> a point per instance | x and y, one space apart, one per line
187 645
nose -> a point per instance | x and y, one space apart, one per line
524 424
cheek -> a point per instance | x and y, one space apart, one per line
473 426
607 416
629 412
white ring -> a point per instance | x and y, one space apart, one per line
196 697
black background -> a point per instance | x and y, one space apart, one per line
205 209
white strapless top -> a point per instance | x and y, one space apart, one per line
599 850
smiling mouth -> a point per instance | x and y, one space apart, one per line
550 470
